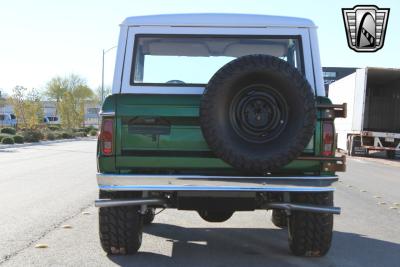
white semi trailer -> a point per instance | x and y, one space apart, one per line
373 111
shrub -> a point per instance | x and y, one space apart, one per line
7 140
80 134
90 128
58 135
50 136
18 139
53 127
93 132
32 136
4 136
66 135
76 130
8 130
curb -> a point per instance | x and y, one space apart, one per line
47 142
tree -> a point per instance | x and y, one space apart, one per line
27 107
3 100
107 91
71 93
56 88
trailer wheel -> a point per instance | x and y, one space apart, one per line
120 228
391 154
310 234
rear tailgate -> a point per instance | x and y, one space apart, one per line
163 132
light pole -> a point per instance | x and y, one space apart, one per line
102 72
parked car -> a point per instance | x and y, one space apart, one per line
218 113
8 120
51 120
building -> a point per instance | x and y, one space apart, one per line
50 110
332 74
92 116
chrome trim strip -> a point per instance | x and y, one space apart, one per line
216 177
215 183
214 188
107 114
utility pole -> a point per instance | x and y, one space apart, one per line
102 79
102 72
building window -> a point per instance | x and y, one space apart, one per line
329 74
93 111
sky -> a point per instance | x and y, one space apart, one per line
44 38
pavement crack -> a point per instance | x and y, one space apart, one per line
53 227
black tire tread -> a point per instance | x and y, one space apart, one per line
311 233
279 218
222 149
149 216
120 228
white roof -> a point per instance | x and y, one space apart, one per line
217 19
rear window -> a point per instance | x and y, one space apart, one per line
193 60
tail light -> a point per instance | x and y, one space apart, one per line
106 137
328 139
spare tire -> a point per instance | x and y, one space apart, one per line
257 113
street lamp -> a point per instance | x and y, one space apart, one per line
102 72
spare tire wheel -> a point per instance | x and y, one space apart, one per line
257 113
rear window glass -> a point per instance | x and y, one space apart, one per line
189 60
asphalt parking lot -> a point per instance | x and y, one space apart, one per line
47 194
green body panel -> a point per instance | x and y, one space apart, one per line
182 134
198 164
106 164
180 138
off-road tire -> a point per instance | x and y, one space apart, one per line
275 77
310 234
149 216
120 228
279 218
215 216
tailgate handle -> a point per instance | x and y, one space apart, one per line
149 126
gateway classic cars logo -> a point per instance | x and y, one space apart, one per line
365 27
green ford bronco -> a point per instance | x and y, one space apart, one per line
218 113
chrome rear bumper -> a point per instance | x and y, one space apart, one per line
131 182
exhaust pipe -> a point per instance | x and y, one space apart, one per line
304 207
106 203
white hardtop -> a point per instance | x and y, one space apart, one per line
218 20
